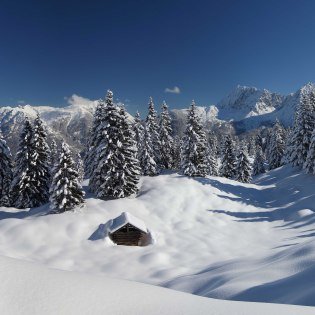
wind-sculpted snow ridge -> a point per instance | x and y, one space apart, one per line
212 236
27 288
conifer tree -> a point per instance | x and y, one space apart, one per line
166 139
153 129
276 146
194 150
139 133
131 164
24 190
302 131
116 171
94 139
228 164
6 174
259 166
147 159
243 168
40 162
65 191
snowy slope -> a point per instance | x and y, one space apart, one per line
213 237
27 288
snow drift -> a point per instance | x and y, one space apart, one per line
27 288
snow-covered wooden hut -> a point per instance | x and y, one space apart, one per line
128 230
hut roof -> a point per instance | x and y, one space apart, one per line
125 218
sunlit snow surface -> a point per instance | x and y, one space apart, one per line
213 237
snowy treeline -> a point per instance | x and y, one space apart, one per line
120 150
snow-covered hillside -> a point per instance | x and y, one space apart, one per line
28 288
213 237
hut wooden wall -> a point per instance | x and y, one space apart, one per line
129 235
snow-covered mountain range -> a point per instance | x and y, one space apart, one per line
243 109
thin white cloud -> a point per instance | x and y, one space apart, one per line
174 90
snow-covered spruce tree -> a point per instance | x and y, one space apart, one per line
166 139
153 129
139 133
302 131
243 168
147 159
40 160
228 163
24 191
131 165
6 174
276 146
65 191
259 166
95 138
194 149
114 171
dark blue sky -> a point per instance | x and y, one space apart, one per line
52 49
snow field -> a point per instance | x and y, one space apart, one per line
214 237
28 288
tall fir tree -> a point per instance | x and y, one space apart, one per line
153 129
115 174
6 174
276 146
24 190
40 160
259 162
65 191
243 168
138 133
148 164
166 139
194 150
94 139
304 125
131 165
228 163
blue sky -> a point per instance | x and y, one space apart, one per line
50 50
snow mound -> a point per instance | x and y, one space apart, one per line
27 288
